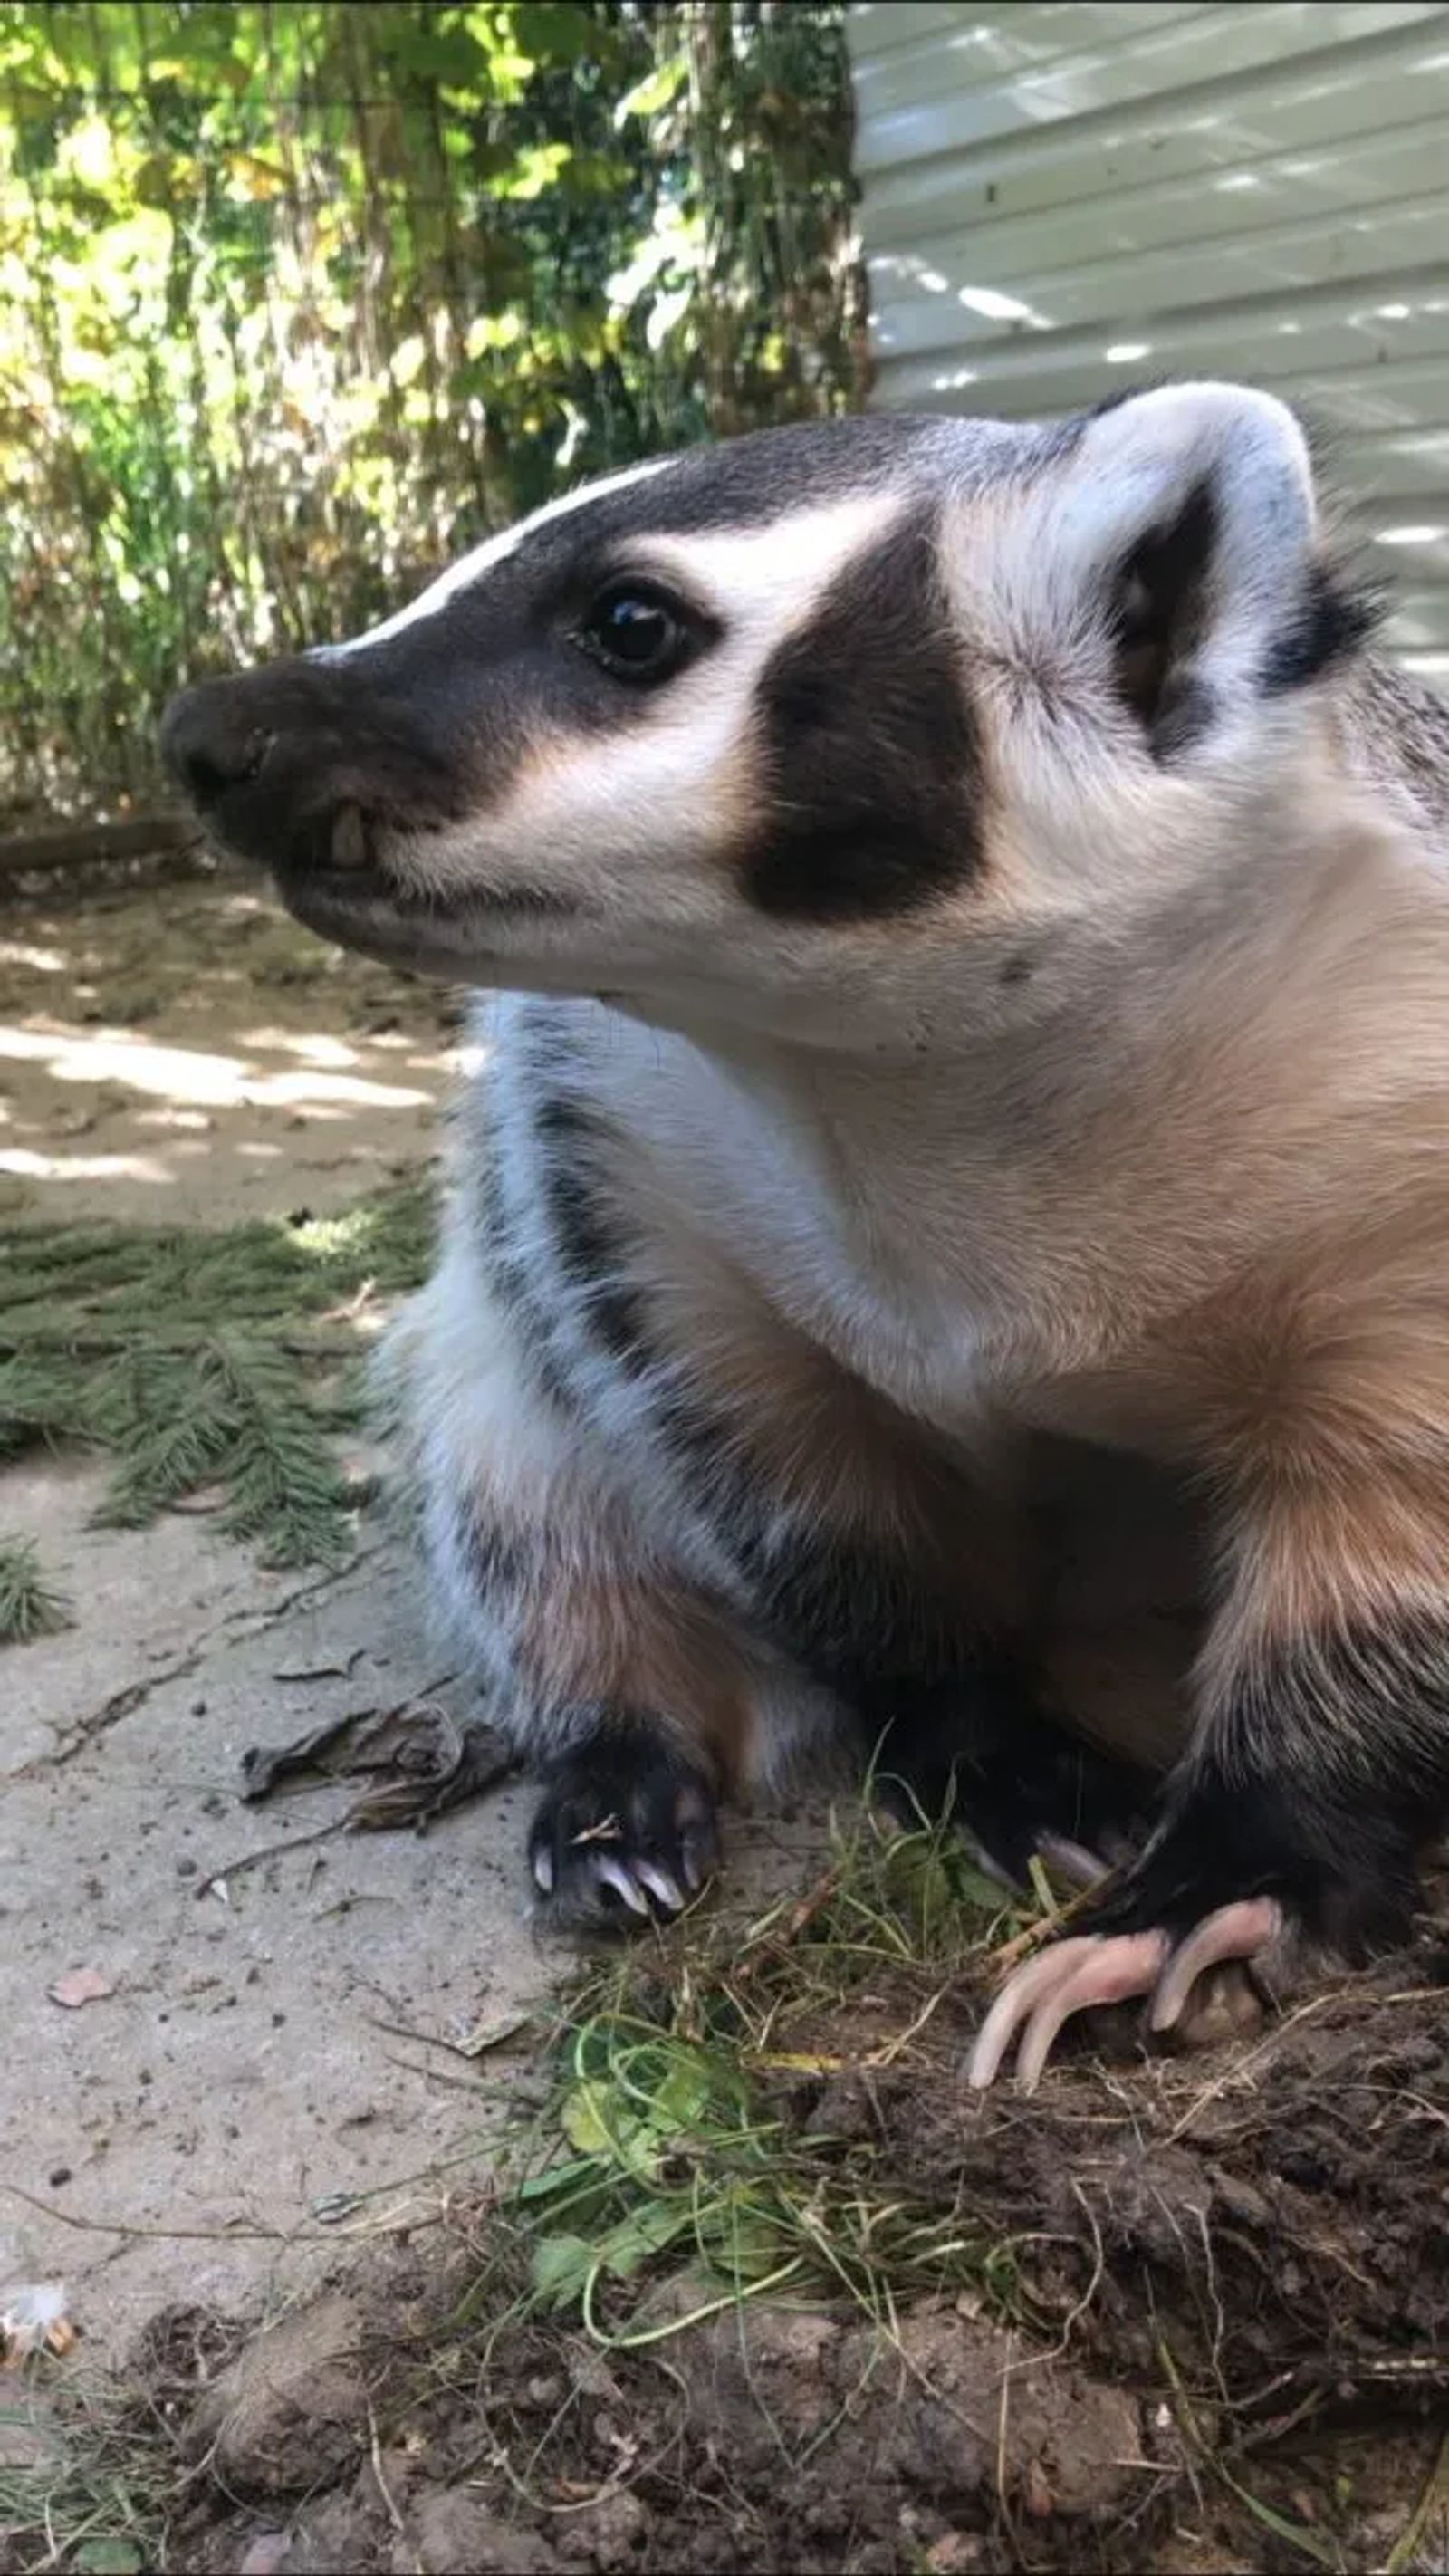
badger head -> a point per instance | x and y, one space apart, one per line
840 731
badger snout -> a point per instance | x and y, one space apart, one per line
211 741
287 768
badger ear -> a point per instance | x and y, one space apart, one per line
1186 525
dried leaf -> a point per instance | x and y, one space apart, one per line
436 1762
263 1765
81 1986
423 1759
489 2034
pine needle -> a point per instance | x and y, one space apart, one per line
219 1358
30 1606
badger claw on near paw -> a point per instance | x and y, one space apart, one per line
1110 1968
625 1836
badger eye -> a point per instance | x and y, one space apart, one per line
636 633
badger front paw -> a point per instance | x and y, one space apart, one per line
1095 1968
1243 1867
979 1751
627 1832
1233 1880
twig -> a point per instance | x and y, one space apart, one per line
129 2227
1005 1959
383 2489
891 2049
801 1915
1240 2067
268 1851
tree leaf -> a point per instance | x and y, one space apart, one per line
658 89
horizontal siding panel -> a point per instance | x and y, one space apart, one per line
1402 466
1362 175
1060 200
1368 84
1237 55
981 53
1277 342
942 307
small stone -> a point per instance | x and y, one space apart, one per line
1036 2493
956 2553
265 2555
450 2529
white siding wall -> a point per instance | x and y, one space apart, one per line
1063 195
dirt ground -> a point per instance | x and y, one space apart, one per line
1225 2351
261 2160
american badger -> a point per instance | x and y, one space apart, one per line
968 925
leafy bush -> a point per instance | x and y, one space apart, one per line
298 298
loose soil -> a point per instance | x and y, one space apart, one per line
1222 2344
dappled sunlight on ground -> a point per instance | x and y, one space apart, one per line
182 1074
189 1050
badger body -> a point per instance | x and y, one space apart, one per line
966 925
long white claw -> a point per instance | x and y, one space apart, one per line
659 1883
609 1874
543 1868
1074 1975
1237 1931
1017 1998
1126 1964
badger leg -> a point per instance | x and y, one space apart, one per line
1319 1768
627 1694
626 1691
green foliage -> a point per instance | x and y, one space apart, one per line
90 2494
298 297
669 2156
199 1360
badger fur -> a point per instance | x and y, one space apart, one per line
965 924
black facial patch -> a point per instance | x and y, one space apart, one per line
871 765
743 483
423 727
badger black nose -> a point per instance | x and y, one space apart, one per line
211 740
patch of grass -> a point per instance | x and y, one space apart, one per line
94 2498
207 1358
30 1605
675 2175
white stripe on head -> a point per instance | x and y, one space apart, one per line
494 550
